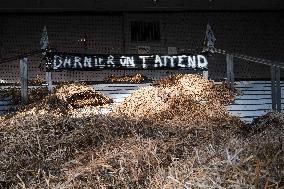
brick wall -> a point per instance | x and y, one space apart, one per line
257 34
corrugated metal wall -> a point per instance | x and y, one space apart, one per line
257 34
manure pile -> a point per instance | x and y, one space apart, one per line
152 140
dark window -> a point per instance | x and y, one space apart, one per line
145 31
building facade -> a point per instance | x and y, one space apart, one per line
254 33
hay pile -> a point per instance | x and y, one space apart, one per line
53 151
76 96
136 78
37 81
65 99
10 92
180 97
14 94
79 149
256 161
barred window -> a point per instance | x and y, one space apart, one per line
145 31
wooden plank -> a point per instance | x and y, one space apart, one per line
3 112
259 96
122 84
5 102
7 99
8 107
255 101
230 71
118 100
257 84
255 92
254 82
24 79
262 88
104 87
107 90
205 74
48 76
118 95
127 86
242 107
244 92
249 113
116 91
278 90
273 92
247 119
252 102
253 89
18 87
256 96
100 88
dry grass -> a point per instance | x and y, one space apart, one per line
46 148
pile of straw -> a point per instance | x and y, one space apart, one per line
64 99
36 81
56 151
14 94
10 93
80 149
76 96
182 97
